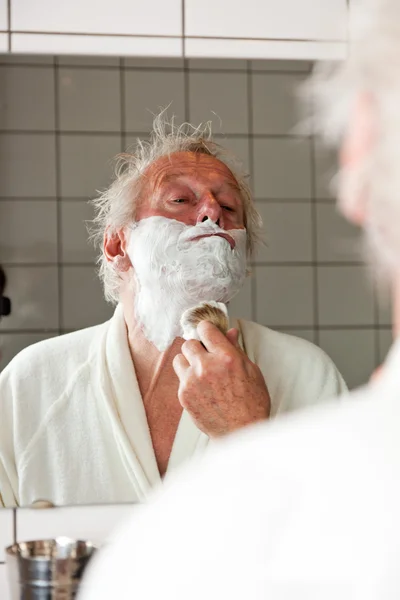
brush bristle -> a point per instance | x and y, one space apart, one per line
213 312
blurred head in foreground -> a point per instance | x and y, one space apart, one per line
306 508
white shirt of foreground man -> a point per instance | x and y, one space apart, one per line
306 511
307 508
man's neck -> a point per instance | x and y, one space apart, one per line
158 386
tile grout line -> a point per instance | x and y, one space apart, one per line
58 191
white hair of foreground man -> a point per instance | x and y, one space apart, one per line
372 71
115 207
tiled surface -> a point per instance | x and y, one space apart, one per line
282 168
337 239
284 296
63 120
6 531
252 19
34 295
27 98
89 99
75 245
34 156
353 352
28 231
83 303
94 523
119 17
288 232
146 92
81 178
275 105
3 15
208 97
344 296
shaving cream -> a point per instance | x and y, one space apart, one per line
174 272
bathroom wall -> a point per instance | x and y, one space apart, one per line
61 122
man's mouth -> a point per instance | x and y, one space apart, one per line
226 237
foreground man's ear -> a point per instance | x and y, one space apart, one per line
114 247
356 149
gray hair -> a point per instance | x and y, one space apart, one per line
372 69
115 207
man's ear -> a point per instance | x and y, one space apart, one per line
114 247
354 157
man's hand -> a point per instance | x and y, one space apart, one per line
218 385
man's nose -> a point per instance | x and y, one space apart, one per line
210 209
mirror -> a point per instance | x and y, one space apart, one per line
63 119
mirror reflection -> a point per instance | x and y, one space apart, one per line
105 263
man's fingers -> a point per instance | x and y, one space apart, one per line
180 365
233 337
192 350
212 338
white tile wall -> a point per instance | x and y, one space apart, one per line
3 15
94 523
75 245
81 178
252 19
102 104
352 351
87 307
27 98
337 240
282 168
222 100
28 231
284 296
118 17
34 156
89 98
345 297
6 530
91 44
4 42
148 91
288 232
275 104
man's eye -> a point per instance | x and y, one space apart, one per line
180 200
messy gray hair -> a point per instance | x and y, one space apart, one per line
373 70
115 207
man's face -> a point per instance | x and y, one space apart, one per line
189 187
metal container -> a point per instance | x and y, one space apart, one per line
47 569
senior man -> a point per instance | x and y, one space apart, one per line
102 414
307 508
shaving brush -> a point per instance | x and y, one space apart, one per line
213 312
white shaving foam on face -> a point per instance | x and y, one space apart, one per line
173 272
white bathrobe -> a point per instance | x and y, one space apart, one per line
305 508
73 427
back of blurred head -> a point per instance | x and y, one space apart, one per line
357 109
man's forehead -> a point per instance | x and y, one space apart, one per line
195 164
